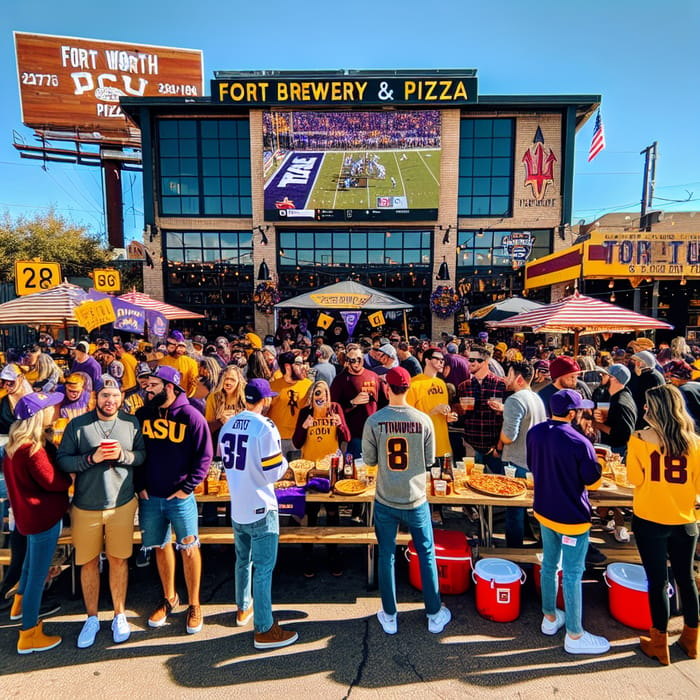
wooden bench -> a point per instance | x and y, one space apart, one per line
628 555
288 535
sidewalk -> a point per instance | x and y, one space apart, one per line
342 651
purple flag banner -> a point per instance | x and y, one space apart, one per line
130 318
350 318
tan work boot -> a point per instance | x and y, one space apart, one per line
689 641
16 610
34 639
274 637
655 646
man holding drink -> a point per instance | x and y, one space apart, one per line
101 448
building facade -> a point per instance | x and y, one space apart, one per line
408 181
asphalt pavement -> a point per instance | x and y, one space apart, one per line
342 651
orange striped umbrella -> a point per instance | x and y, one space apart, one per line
53 307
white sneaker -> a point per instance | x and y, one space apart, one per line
388 622
120 629
550 627
87 635
610 526
621 534
587 643
437 622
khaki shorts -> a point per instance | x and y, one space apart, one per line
111 531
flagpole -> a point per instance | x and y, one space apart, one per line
405 325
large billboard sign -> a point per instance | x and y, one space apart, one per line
74 84
352 166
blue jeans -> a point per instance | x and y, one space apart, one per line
40 549
157 515
515 517
355 447
573 564
490 460
386 525
256 549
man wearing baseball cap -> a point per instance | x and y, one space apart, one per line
84 362
617 427
565 372
177 357
251 450
178 454
399 440
645 376
564 468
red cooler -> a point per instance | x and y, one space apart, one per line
536 577
454 562
628 596
498 584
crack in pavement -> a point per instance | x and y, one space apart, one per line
363 661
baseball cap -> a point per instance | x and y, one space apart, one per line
31 404
398 377
567 400
10 372
271 349
109 382
389 350
76 378
167 374
83 346
562 365
258 389
678 369
199 340
641 343
452 348
646 358
620 372
177 336
142 369
543 365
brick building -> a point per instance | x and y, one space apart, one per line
392 173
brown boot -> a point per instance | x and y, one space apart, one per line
34 639
655 646
689 641
16 610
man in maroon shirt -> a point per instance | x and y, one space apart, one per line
356 389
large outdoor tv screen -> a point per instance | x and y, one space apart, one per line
351 166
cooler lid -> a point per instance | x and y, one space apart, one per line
498 570
630 576
449 544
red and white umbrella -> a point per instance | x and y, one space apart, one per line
148 302
53 307
582 315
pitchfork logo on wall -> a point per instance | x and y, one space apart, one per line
538 162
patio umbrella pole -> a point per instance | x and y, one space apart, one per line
405 325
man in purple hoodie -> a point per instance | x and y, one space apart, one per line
178 454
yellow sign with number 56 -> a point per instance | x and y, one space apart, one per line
107 280
33 276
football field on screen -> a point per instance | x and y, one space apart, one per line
415 173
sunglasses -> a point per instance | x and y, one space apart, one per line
354 360
476 359
438 359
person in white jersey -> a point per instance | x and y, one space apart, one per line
399 440
251 451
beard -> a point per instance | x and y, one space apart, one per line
158 399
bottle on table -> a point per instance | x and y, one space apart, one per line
349 466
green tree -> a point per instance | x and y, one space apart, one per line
51 238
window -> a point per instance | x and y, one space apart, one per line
211 272
488 249
486 167
204 167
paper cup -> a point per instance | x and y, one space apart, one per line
468 403
109 445
510 471
440 486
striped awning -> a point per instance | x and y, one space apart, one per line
146 301
582 315
54 307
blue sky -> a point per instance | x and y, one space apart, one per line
641 56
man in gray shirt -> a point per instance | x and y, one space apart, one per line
399 440
101 448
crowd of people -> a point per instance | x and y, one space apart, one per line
132 426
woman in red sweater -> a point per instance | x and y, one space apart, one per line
39 498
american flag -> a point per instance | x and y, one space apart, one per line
598 140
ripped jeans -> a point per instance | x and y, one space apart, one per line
158 515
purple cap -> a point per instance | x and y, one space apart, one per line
177 336
31 404
567 400
258 389
167 374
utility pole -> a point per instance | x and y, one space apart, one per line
645 221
